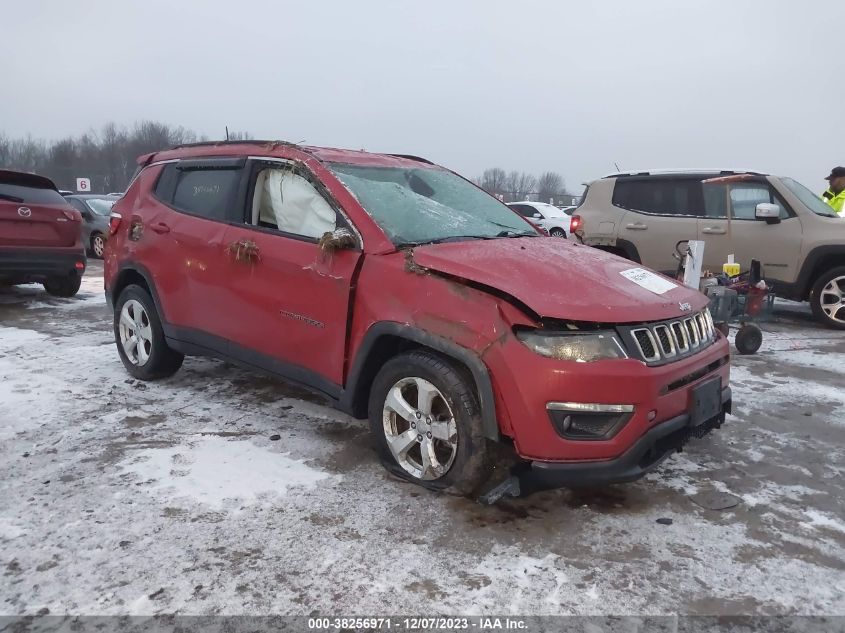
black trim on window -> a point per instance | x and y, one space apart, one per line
226 162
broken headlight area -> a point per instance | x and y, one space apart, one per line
585 421
579 347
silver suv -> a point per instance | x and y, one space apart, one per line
799 240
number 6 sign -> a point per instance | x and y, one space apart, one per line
83 184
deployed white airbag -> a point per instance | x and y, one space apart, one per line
293 204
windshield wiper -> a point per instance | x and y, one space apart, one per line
6 196
516 234
447 238
459 238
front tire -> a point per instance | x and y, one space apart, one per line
557 233
63 286
827 298
426 423
140 337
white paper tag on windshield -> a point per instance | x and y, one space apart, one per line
648 280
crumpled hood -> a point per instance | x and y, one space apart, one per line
558 279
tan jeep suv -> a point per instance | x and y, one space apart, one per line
800 242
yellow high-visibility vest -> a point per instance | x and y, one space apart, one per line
835 200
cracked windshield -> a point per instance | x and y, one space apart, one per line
419 206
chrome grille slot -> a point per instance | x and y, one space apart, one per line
646 343
692 330
702 326
664 338
680 334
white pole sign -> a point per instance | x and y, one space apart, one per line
83 184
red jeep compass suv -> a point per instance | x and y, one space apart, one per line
407 295
40 235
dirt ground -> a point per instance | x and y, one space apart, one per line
120 497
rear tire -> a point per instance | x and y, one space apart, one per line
557 233
823 298
438 443
140 338
63 286
98 245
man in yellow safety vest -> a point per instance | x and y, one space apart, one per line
835 194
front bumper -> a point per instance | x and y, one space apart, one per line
36 264
644 456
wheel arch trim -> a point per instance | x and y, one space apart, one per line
467 357
120 277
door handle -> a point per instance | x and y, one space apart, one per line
713 230
637 226
160 227
244 251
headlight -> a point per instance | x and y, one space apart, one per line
573 346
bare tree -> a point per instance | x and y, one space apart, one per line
240 136
549 185
493 180
525 185
107 157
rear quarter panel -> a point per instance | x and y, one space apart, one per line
600 219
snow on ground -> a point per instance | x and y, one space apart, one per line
126 497
219 472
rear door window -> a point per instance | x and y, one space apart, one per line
659 196
208 193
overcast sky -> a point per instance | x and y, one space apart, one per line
529 85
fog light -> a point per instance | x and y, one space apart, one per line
585 421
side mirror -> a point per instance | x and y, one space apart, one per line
537 216
768 212
337 240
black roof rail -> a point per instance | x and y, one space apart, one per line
244 142
680 173
419 159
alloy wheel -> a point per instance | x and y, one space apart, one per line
98 245
420 428
832 299
136 334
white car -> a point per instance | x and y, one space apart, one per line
557 222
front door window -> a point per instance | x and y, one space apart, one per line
289 203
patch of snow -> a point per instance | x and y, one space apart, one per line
818 519
219 472
10 530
